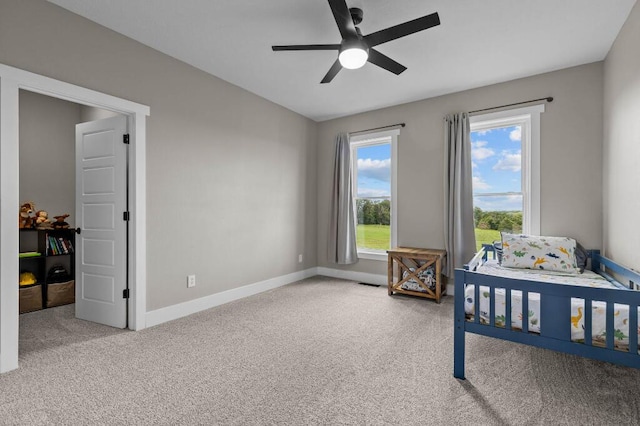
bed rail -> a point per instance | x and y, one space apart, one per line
614 272
555 313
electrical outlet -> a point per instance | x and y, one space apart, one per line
191 280
299 258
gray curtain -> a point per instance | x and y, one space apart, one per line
459 235
342 231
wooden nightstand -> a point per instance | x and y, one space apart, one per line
413 266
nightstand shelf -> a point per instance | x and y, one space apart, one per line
419 272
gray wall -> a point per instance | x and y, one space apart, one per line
88 113
622 145
571 149
231 177
47 153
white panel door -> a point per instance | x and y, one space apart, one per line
101 200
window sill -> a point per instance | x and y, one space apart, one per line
372 255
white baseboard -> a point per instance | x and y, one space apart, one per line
363 277
180 310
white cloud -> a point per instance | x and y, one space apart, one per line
506 203
370 192
375 169
479 151
516 135
509 162
482 132
479 184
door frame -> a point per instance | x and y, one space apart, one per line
12 80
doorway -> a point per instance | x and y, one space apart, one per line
12 80
73 168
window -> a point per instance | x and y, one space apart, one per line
374 158
505 149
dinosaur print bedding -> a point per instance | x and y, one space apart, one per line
539 253
588 279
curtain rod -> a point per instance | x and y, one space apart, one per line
378 128
548 99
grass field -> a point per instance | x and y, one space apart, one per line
374 237
486 236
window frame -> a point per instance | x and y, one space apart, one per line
377 138
529 119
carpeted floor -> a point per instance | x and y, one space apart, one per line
321 351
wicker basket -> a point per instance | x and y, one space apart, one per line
30 298
61 293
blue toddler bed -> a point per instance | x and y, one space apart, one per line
596 319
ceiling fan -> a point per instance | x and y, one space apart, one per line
355 49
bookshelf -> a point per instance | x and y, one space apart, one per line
43 251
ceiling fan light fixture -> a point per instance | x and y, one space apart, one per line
357 49
353 55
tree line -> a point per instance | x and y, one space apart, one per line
500 221
373 212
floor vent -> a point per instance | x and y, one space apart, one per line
371 285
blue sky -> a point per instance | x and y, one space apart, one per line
374 171
496 161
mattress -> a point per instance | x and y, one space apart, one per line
586 279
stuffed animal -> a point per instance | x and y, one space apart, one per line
42 220
60 223
24 219
27 278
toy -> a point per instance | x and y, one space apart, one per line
60 223
24 219
42 220
27 278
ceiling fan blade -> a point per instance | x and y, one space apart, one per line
306 47
402 30
385 62
333 71
343 18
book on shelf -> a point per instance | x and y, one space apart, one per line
63 245
53 248
57 246
68 246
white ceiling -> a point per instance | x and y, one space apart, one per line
478 43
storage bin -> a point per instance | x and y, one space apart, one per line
30 298
61 293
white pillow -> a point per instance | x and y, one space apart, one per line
534 252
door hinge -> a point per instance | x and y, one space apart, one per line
125 216
125 138
125 293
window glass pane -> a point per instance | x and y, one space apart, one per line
497 160
500 203
493 214
373 196
497 182
374 171
373 237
